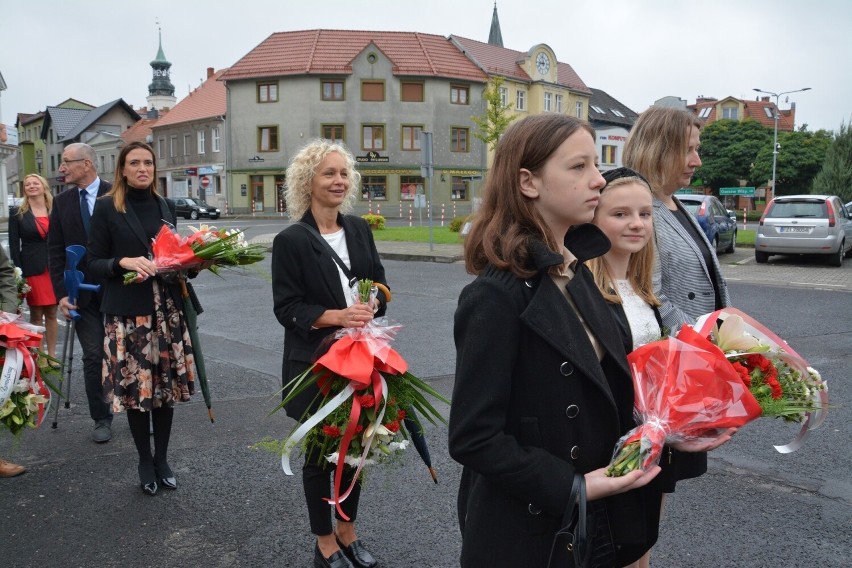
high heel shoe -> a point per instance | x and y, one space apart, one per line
166 477
147 479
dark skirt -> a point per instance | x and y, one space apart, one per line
148 360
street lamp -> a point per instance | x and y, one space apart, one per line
775 144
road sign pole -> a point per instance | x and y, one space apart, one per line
426 171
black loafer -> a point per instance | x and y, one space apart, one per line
337 560
358 555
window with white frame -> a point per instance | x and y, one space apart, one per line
172 146
161 148
187 144
578 109
521 100
201 142
548 102
559 104
504 96
216 139
705 112
730 112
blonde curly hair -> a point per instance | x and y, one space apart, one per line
301 172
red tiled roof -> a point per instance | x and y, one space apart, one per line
206 101
754 110
332 51
139 131
503 61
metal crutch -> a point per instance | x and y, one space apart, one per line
73 284
65 368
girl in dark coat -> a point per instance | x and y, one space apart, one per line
542 387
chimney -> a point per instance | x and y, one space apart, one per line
764 99
210 72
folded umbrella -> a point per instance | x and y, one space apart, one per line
415 432
191 309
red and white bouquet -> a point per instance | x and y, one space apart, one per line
24 392
206 248
367 394
713 377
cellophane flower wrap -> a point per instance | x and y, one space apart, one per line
713 377
206 248
24 387
367 393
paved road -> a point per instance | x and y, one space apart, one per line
79 504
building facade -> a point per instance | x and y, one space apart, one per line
373 91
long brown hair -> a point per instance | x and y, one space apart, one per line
658 143
119 185
48 197
507 220
640 267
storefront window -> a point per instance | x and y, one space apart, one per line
459 188
409 186
374 187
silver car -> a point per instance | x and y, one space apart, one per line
805 224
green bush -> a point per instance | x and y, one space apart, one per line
376 222
458 222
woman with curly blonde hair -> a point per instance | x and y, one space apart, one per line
313 263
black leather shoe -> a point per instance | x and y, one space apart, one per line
358 555
147 478
337 560
166 477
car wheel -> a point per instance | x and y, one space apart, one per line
836 259
733 246
193 215
760 257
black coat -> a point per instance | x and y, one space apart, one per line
113 236
66 228
532 406
27 248
305 283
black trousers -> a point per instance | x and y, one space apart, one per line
318 481
90 333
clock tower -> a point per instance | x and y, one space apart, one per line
161 92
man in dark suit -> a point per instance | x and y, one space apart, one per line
69 225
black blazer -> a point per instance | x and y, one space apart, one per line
305 283
532 406
113 236
66 228
27 247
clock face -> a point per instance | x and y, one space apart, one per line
542 63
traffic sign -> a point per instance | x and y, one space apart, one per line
746 191
205 182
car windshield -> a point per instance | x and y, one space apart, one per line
796 209
691 206
192 202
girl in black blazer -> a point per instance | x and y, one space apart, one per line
148 359
312 300
542 390
28 229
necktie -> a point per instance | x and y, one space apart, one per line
84 209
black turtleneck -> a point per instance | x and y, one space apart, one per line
147 209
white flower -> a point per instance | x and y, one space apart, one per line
731 336
18 272
21 385
382 434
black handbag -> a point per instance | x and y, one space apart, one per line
585 534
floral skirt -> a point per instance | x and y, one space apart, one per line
148 360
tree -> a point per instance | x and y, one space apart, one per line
728 148
496 118
799 160
835 177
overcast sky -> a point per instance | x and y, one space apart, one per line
636 50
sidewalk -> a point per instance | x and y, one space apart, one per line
395 250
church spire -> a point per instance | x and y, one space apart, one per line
494 36
161 91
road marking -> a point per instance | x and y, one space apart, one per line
815 284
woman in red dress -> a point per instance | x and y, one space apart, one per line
28 226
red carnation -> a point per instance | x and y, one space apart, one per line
393 426
367 401
331 431
400 415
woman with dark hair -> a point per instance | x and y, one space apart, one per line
313 262
542 389
28 228
148 359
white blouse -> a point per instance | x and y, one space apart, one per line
337 240
644 327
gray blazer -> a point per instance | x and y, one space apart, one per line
681 277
